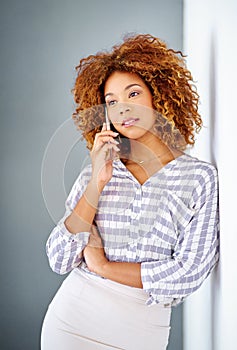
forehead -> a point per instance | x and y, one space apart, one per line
120 80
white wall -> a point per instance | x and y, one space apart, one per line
210 29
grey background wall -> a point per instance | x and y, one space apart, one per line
41 43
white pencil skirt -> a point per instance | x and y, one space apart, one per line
91 313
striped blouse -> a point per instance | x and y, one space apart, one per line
169 224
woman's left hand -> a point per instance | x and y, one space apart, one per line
94 253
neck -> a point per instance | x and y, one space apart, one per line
146 149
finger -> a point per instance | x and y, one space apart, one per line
109 146
107 133
103 141
108 139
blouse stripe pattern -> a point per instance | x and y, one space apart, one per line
170 225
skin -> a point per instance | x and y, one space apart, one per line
129 104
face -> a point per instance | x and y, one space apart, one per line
129 104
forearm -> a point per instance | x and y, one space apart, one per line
82 216
81 219
122 272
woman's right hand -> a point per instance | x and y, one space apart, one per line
102 165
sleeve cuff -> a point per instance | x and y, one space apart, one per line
154 296
80 237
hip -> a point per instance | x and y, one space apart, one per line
109 313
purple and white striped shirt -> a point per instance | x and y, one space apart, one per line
170 225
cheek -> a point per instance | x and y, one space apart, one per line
113 115
148 103
146 112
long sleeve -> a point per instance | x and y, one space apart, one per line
196 251
64 249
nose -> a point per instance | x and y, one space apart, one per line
123 108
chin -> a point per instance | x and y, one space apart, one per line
135 133
131 134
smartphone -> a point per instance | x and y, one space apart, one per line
107 122
107 119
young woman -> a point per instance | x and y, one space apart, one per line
140 231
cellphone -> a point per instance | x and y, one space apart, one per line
107 122
107 119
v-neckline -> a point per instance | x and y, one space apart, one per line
156 173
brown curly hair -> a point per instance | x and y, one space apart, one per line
162 69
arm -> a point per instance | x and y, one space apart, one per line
82 217
64 249
70 236
83 214
122 272
196 252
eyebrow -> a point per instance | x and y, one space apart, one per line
126 88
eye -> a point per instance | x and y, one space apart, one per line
133 93
111 103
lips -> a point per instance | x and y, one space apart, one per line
129 122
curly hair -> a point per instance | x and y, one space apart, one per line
162 69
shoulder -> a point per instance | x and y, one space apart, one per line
201 175
198 168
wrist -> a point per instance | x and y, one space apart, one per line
96 186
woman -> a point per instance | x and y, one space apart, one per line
140 231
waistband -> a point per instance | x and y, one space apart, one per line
133 292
